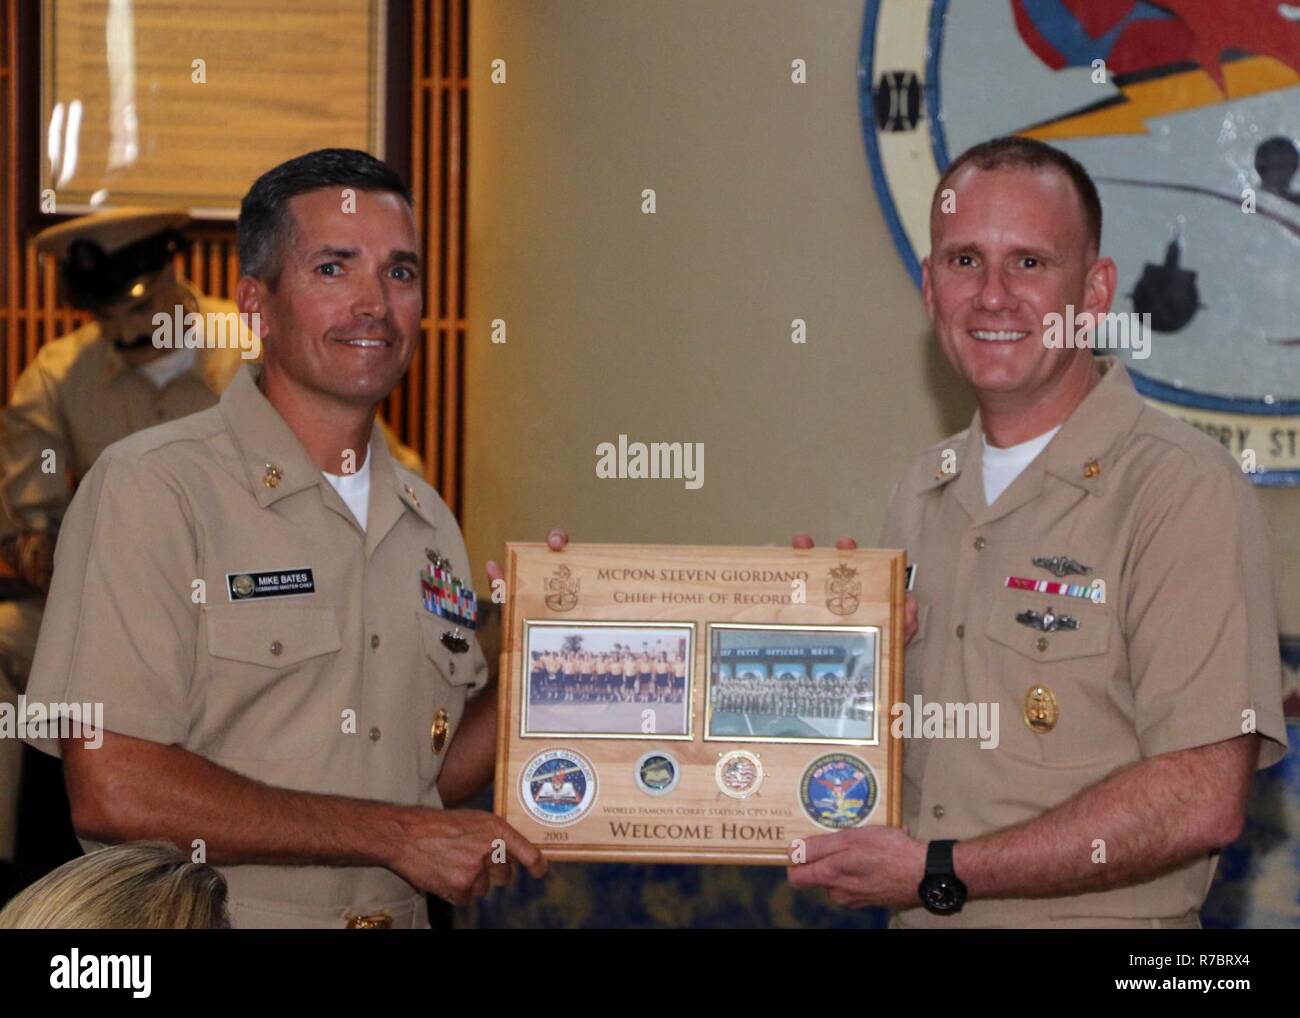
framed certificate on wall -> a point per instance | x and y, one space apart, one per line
698 704
183 103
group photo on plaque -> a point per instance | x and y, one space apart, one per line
598 678
792 682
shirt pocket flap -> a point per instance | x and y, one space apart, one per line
456 668
275 637
1092 637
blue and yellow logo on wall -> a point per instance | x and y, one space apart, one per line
1187 115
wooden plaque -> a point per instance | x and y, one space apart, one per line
665 703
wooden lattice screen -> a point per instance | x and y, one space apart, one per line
426 410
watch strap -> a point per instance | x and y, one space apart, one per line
938 857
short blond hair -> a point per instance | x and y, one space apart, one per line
140 885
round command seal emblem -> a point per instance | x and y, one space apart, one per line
558 787
242 585
1187 116
739 773
657 772
838 791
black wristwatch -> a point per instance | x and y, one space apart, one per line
940 890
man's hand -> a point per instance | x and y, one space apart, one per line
556 539
863 866
910 623
450 853
116 795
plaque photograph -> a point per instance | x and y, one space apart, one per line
607 680
792 683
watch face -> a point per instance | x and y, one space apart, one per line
942 893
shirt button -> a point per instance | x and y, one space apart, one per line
938 811
374 640
961 630
277 648
452 667
374 735
980 543
1042 643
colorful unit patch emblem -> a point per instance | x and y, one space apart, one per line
558 787
838 791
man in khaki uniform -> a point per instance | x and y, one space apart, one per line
1112 595
281 690
81 393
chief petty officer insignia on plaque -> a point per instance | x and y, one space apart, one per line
1186 114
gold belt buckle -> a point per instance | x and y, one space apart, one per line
374 921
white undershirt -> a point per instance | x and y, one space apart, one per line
170 366
354 489
1002 466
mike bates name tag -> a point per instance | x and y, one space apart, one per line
270 583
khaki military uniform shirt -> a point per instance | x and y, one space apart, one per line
333 690
1183 646
75 399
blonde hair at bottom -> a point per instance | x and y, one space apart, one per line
139 885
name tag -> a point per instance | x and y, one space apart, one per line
270 583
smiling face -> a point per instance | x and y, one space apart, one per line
1014 251
343 319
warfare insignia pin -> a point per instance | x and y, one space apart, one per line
1047 621
1060 565
455 642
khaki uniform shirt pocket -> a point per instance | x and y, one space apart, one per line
1064 680
274 690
